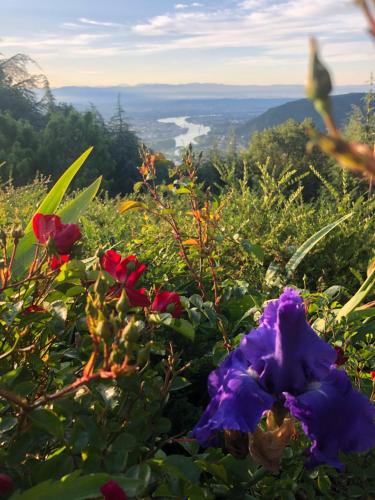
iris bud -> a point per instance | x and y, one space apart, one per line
319 83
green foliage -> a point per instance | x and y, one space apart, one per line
285 145
132 427
43 137
93 389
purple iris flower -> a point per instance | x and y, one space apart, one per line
284 361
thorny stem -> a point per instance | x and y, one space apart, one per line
177 235
35 260
14 398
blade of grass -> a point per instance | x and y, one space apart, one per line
305 248
53 199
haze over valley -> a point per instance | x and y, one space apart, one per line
167 117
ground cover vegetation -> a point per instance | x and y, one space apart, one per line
114 312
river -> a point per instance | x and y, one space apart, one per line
194 130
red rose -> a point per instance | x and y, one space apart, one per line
65 238
45 226
57 262
50 227
168 302
341 359
113 491
6 484
372 375
126 271
137 298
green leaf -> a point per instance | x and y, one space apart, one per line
183 467
305 248
180 383
47 421
7 423
74 208
184 327
131 205
56 194
179 325
361 294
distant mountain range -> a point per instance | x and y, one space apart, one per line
201 97
298 111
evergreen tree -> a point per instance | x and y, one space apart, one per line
124 151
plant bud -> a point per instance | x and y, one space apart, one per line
121 305
130 333
319 84
101 288
144 354
104 330
3 237
17 233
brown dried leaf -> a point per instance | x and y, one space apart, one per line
267 447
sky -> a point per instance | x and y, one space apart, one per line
249 42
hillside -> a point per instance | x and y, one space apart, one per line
298 111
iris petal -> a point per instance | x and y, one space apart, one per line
284 350
335 417
237 403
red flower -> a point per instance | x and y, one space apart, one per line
57 262
45 226
137 298
6 484
113 491
34 309
63 235
127 272
168 302
341 359
372 375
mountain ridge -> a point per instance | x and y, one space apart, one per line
299 110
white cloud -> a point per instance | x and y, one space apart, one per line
92 22
266 29
251 4
180 6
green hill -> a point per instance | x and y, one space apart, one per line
298 111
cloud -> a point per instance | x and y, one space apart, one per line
92 22
250 4
65 46
180 6
264 27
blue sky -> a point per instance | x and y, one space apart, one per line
112 42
